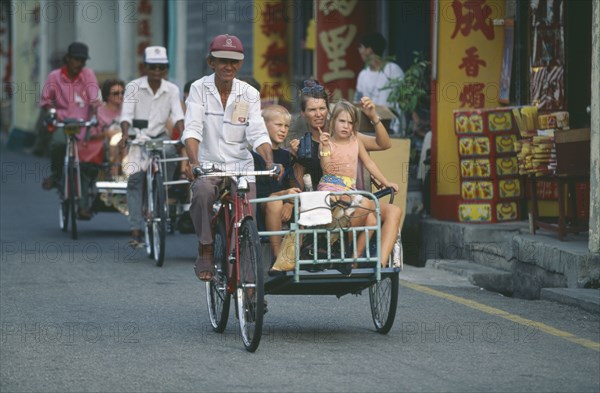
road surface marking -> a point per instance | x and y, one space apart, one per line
506 315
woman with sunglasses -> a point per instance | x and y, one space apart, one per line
108 121
92 150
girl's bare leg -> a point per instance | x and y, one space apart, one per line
391 215
362 216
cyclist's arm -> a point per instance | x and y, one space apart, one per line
266 153
191 149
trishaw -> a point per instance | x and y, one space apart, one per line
322 256
109 193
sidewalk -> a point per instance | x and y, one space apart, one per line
460 273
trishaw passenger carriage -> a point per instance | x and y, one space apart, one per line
337 272
241 268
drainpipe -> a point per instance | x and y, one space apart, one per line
177 41
434 54
594 224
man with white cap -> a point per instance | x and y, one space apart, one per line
222 118
149 102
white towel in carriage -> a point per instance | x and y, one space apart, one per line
314 208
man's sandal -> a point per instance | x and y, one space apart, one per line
204 267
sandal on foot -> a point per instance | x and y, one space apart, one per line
204 267
136 239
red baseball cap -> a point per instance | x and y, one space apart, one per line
227 46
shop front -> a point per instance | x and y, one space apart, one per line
511 83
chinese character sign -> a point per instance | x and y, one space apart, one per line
470 49
272 57
340 25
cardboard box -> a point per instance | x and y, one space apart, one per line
385 114
572 151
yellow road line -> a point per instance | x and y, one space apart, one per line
503 314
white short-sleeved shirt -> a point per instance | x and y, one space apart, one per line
370 83
224 134
141 103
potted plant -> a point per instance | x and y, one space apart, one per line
412 91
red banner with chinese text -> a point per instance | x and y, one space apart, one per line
143 31
340 25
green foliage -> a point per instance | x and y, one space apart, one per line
411 91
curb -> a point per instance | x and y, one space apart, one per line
490 279
587 299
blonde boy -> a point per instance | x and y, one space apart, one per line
278 120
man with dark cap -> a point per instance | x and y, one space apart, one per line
74 92
377 72
222 118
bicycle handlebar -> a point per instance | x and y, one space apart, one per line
153 141
386 191
77 122
209 170
52 124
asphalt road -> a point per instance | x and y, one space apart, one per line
93 315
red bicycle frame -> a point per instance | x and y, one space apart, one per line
241 210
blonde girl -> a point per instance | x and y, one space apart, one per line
339 152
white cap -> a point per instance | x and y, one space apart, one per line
156 55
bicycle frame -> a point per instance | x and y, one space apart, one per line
239 203
158 163
71 187
72 154
240 271
241 210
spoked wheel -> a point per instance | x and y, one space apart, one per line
148 240
383 296
72 190
159 219
63 211
147 214
216 289
250 291
63 214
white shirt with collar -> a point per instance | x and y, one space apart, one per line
141 103
224 134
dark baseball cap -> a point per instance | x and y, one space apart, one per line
78 50
227 46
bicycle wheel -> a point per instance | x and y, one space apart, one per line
250 291
72 190
217 296
383 296
159 219
63 210
147 215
